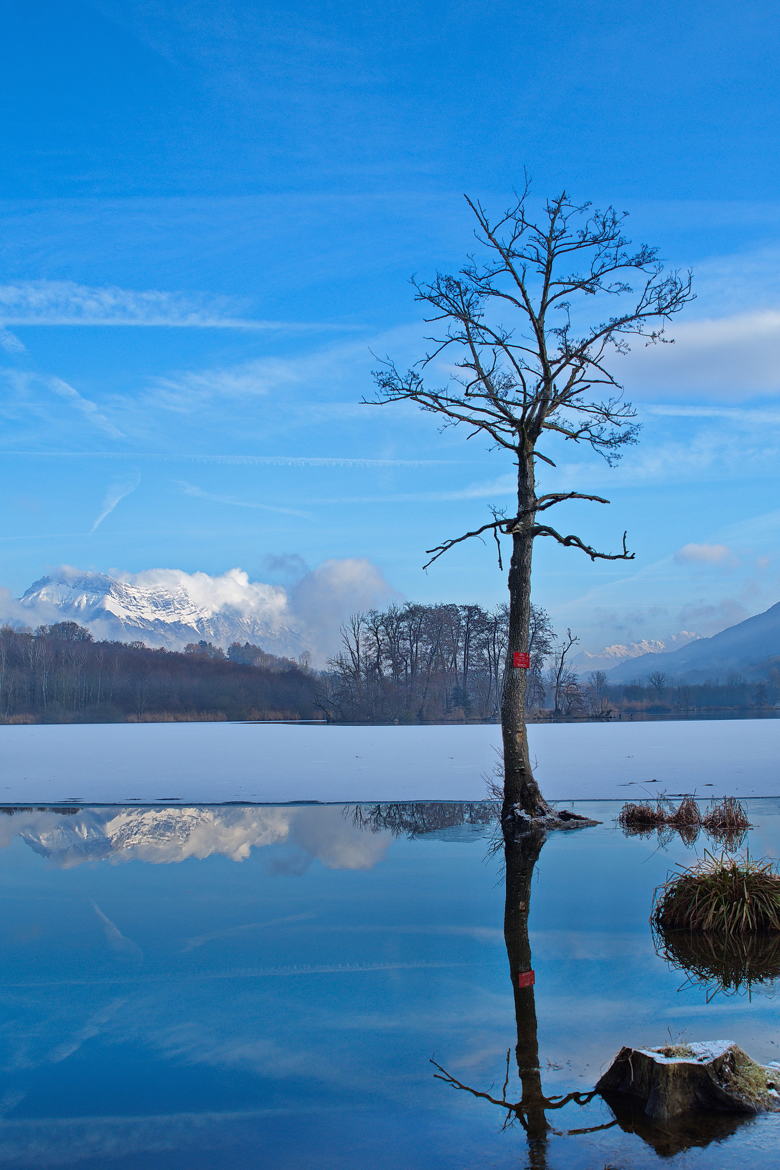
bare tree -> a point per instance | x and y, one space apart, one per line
561 676
597 694
526 361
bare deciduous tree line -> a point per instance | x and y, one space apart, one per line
430 662
58 674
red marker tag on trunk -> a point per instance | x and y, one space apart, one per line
521 658
526 979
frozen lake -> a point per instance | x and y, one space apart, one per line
215 762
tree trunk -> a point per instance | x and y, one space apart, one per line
521 856
520 787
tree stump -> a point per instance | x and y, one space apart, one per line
711 1075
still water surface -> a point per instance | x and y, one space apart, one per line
266 987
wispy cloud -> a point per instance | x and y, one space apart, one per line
117 491
86 406
240 460
322 372
64 302
740 281
715 452
191 489
201 940
10 342
740 415
498 488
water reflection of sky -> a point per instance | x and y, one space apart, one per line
274 997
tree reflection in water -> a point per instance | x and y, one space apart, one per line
534 1109
408 818
521 855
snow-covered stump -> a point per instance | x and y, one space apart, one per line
711 1075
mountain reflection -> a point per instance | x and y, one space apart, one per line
338 836
163 836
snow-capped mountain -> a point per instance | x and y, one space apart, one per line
620 652
750 648
169 612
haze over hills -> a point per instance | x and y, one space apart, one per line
750 648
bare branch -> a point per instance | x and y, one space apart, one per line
508 525
496 525
498 550
449 1079
575 542
551 498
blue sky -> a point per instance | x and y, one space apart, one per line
211 212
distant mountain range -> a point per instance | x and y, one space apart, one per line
750 648
170 616
159 616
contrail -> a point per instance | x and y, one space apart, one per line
116 491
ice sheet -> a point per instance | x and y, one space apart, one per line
214 762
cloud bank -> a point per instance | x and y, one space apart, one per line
729 358
305 614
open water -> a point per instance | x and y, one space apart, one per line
198 987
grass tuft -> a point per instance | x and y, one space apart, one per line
639 817
726 821
728 816
725 895
686 815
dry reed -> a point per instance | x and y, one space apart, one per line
640 817
729 816
686 816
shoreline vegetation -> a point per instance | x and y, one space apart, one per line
271 716
414 665
59 674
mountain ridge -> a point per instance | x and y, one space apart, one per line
160 616
748 648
